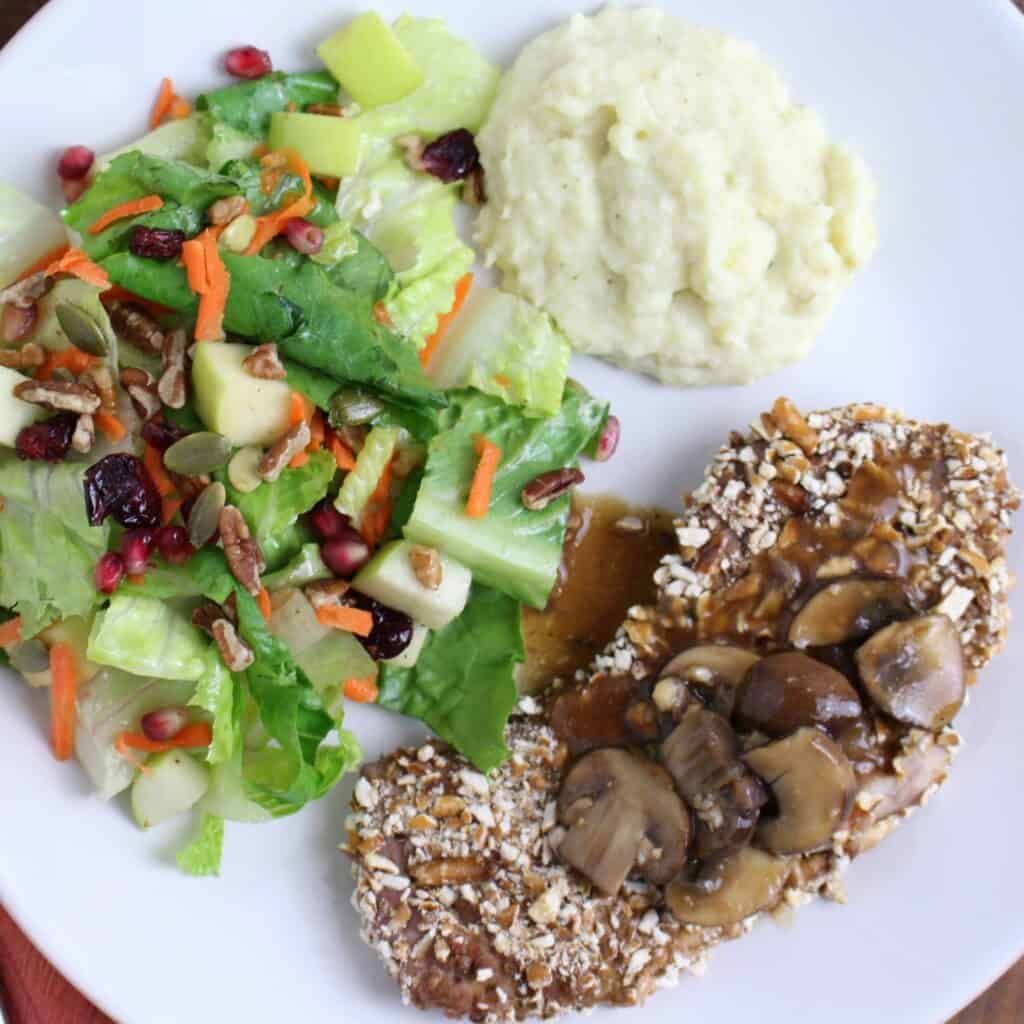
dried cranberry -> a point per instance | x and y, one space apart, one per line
304 237
75 163
172 542
248 62
326 520
451 157
161 435
392 629
109 572
156 243
120 486
136 547
49 440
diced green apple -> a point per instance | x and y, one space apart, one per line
330 146
28 232
185 139
371 62
15 414
391 579
172 783
229 400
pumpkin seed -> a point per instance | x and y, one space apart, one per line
243 469
82 329
204 518
352 407
198 453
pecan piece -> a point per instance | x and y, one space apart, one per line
27 293
426 564
474 189
325 592
84 436
134 325
273 463
224 211
264 362
451 871
172 384
100 381
209 612
791 422
61 396
234 651
17 323
141 390
28 357
412 147
544 489
325 109
245 560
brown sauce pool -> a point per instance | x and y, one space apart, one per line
611 553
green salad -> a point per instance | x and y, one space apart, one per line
266 450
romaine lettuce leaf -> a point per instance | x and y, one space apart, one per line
48 550
202 857
306 567
248 176
359 485
227 144
247 106
186 139
216 694
463 684
513 549
205 574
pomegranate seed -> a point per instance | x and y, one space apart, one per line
18 322
48 441
163 724
248 62
109 572
609 439
172 542
326 520
75 188
451 157
304 237
156 243
136 547
75 163
346 553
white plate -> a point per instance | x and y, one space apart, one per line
930 92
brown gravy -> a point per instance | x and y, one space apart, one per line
606 570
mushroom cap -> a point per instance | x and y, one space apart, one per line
849 609
729 888
712 671
783 692
621 811
813 783
914 671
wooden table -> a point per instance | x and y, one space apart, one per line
32 992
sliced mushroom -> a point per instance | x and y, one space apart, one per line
847 610
711 671
621 813
729 888
914 671
813 784
786 691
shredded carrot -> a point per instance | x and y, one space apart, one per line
153 460
40 265
316 432
376 520
261 150
136 578
342 453
350 620
193 258
133 208
362 691
381 314
198 734
299 459
501 380
298 411
214 299
170 507
10 631
63 694
71 358
110 426
125 751
164 101
271 225
444 321
180 108
264 602
483 479
76 263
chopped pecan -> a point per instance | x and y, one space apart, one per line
224 211
24 294
134 325
17 323
325 109
273 463
234 651
209 612
791 422
412 149
426 564
28 357
451 871
141 390
172 384
99 380
544 489
59 395
474 189
245 560
265 363
325 592
84 436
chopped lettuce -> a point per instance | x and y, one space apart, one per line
513 549
216 694
247 106
187 139
49 550
227 144
463 684
205 574
505 346
148 637
306 567
202 857
249 180
359 485
28 231
352 262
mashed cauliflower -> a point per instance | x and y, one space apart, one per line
654 186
